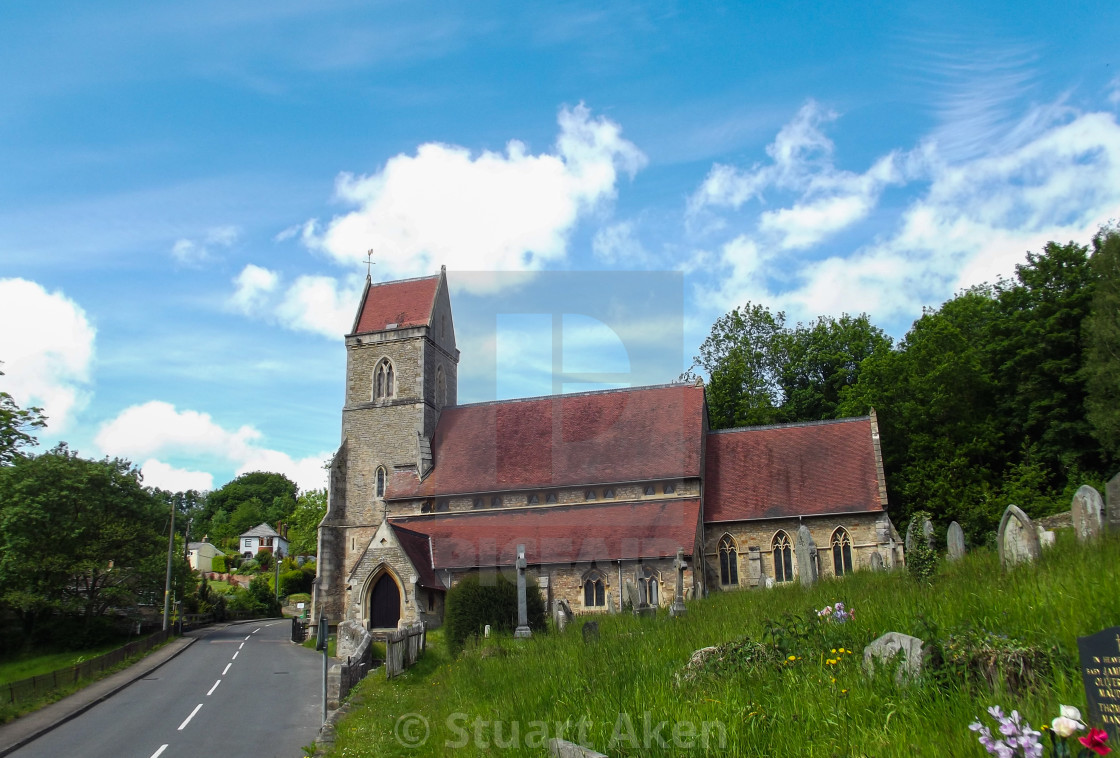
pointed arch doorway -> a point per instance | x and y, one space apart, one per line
384 603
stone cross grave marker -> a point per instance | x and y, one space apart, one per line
954 539
678 607
1112 493
1087 510
1100 672
1017 538
911 533
522 629
806 551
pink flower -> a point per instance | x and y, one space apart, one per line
1095 741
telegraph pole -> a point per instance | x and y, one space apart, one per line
167 583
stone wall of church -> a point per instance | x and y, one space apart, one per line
865 531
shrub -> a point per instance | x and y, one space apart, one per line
218 564
921 560
248 567
489 598
264 559
296 581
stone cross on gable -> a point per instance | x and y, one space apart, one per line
678 607
522 629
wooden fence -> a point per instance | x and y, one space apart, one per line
403 647
28 689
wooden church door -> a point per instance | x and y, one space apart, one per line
385 604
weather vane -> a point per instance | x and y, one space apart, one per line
369 262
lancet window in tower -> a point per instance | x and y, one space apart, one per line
384 386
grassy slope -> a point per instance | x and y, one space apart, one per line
792 709
24 667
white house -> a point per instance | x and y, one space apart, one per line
263 537
201 556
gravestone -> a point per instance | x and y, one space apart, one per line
632 596
561 748
486 631
1017 538
954 539
1112 495
1087 509
912 533
885 648
876 561
1100 672
678 607
563 614
754 565
768 582
522 631
806 551
1045 537
590 631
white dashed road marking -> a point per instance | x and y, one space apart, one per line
226 669
187 720
156 754
234 658
211 692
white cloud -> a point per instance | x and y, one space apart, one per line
975 220
320 304
157 428
487 211
617 244
167 477
194 253
801 162
46 348
254 286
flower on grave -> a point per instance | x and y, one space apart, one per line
1095 741
1068 722
836 613
1017 738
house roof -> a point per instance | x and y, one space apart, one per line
418 548
260 530
403 303
604 437
200 545
805 469
559 534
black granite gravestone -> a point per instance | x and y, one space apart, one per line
1100 671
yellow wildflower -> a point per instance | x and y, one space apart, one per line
792 658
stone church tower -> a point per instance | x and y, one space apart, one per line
401 371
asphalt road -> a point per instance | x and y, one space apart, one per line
242 691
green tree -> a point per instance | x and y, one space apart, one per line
17 427
739 358
77 536
273 496
303 533
1101 336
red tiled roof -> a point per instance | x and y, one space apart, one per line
801 469
418 549
405 303
563 440
560 534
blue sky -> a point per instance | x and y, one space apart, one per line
187 191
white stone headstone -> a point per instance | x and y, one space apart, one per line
806 551
954 539
1017 539
1087 510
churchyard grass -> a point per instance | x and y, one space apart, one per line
819 704
24 667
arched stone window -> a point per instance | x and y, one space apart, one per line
550 497
594 589
649 586
380 482
496 501
783 558
841 552
608 493
728 561
384 382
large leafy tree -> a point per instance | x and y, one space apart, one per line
244 502
17 427
77 536
311 507
1101 367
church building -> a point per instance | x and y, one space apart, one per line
602 488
